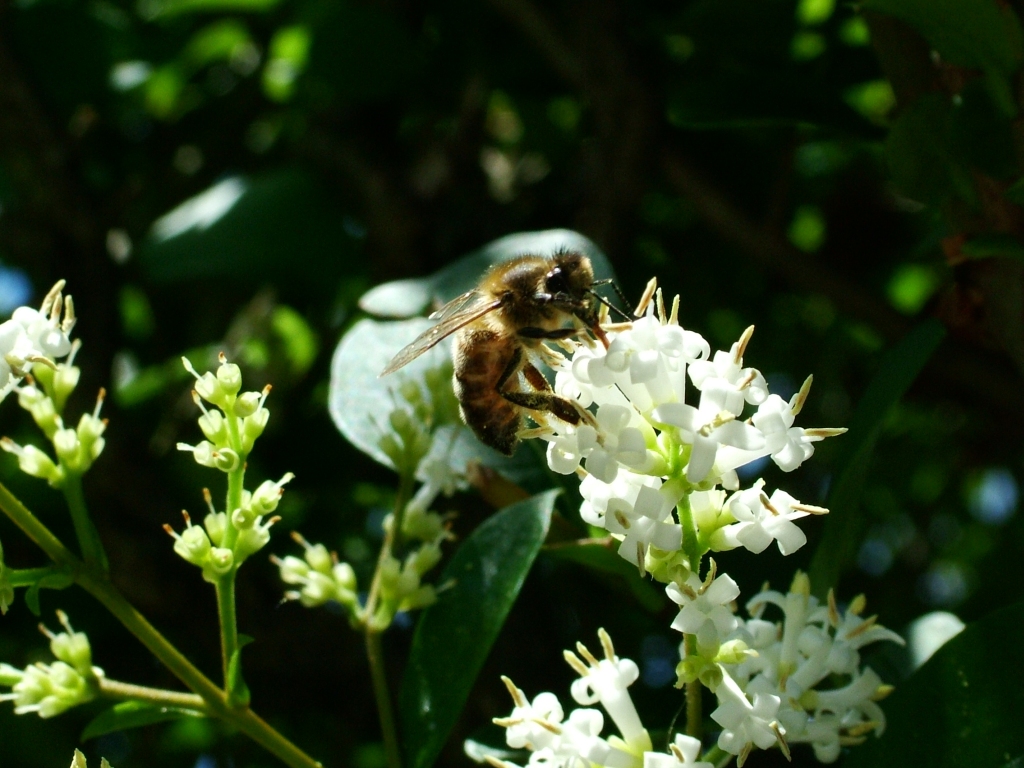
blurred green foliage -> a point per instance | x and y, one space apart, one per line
235 174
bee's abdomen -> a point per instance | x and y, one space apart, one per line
481 356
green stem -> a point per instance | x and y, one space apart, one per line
115 689
26 577
228 622
88 537
374 646
375 656
98 585
392 537
694 691
691 547
717 756
226 584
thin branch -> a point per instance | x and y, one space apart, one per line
540 31
961 367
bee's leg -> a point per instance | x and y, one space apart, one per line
529 332
544 400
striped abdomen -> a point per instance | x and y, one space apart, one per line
481 356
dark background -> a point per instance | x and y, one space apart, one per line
750 153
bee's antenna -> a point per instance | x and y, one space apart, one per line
608 304
616 288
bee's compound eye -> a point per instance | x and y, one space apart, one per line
555 281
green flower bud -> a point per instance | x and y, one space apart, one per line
423 525
219 562
253 426
733 652
193 545
216 524
44 413
44 375
425 558
293 570
266 497
73 648
65 379
319 558
247 403
214 427
419 598
34 462
67 446
10 676
230 377
345 577
251 540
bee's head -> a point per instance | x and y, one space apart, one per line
571 277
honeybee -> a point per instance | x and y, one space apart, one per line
518 305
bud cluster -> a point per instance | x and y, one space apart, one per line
320 576
226 539
78 761
232 426
221 543
50 689
421 407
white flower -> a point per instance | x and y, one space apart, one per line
606 681
34 335
745 723
706 608
684 752
761 520
788 446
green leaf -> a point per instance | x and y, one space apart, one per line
297 337
134 714
1015 193
917 149
238 691
962 708
405 298
454 635
978 34
360 400
280 225
604 559
843 526
168 8
215 42
289 53
988 246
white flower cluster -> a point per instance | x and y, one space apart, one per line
559 742
665 424
35 336
770 692
49 689
647 451
33 341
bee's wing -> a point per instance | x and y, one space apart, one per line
449 325
453 306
